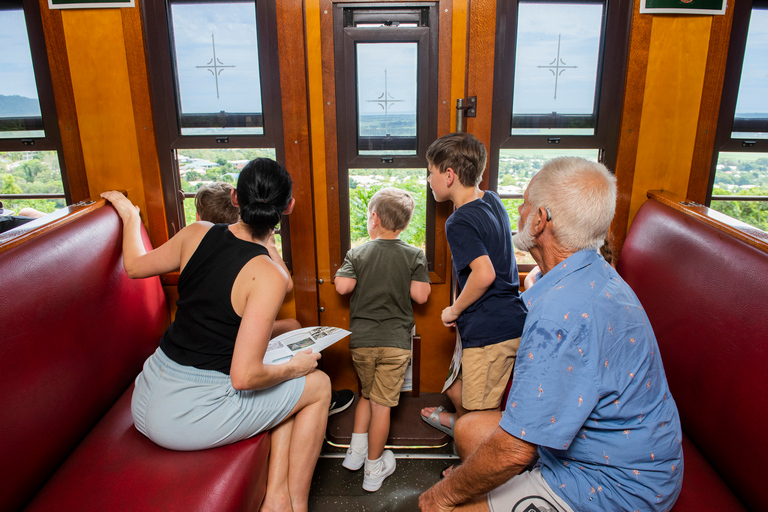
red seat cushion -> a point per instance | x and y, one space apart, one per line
116 467
703 489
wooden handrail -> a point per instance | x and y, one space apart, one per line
751 235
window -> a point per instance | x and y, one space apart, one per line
558 88
386 62
31 170
216 94
739 175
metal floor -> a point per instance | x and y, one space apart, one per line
337 489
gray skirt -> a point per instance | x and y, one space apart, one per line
184 408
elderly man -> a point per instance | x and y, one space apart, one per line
589 395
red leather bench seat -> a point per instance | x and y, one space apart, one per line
706 295
74 333
117 468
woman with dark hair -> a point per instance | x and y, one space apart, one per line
207 385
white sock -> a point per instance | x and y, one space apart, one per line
373 463
359 442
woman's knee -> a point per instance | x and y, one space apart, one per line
319 384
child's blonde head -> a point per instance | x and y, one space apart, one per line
214 203
394 208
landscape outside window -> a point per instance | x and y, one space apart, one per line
742 174
31 172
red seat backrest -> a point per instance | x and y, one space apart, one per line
706 295
74 333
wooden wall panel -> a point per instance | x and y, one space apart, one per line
293 87
672 99
102 93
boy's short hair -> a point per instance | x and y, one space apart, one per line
463 153
214 203
393 206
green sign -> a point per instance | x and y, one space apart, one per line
89 4
683 6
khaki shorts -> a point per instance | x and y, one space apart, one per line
524 492
381 371
485 372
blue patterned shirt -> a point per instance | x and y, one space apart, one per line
589 389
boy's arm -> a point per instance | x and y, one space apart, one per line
345 285
480 279
420 291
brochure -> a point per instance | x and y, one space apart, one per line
453 370
283 347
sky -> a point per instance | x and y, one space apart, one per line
233 26
539 25
400 62
15 58
753 89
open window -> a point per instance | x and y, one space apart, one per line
558 86
739 174
386 89
32 173
216 95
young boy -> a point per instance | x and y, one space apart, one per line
383 275
488 312
213 203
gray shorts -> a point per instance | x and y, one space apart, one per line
526 491
184 408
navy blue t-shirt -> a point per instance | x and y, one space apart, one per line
481 228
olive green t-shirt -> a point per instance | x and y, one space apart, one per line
380 312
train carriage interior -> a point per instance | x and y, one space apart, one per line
158 98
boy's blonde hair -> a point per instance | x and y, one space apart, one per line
394 207
463 153
214 203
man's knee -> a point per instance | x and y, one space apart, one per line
319 382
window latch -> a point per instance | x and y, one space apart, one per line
28 142
222 140
553 140
387 159
747 143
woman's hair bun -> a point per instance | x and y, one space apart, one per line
263 192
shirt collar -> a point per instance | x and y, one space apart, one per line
571 264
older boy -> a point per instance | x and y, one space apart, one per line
488 312
383 275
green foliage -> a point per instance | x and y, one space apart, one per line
754 213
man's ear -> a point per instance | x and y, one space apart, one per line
234 198
450 176
544 220
291 204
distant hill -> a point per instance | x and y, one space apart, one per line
18 106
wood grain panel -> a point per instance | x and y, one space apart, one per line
480 54
632 110
144 125
58 61
101 87
673 90
293 89
706 130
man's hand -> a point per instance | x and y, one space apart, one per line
448 317
429 502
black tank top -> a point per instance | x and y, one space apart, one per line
205 328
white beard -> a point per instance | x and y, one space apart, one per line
524 239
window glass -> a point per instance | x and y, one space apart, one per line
387 89
363 183
217 68
516 168
742 179
556 64
751 117
199 167
31 172
20 114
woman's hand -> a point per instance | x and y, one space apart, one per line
125 208
305 362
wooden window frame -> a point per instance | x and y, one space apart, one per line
164 99
724 142
45 91
346 112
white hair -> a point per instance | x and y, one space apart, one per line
581 198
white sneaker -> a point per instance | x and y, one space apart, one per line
376 472
354 460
